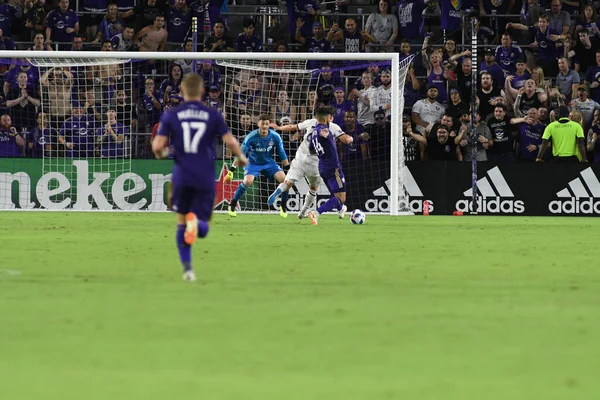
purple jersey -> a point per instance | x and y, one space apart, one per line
451 17
7 13
247 44
439 82
318 46
545 46
326 149
530 134
110 29
178 24
110 147
59 22
353 149
519 80
339 110
80 132
212 76
411 19
193 129
41 140
8 144
507 58
32 77
496 72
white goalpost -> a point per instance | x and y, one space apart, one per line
99 109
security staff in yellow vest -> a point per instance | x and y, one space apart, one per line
568 141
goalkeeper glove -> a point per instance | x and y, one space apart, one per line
229 176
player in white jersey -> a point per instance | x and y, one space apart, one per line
306 164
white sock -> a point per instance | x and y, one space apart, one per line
283 187
309 200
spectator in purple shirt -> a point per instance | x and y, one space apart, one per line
179 19
62 24
7 14
352 128
39 139
307 10
11 143
22 102
316 43
340 105
247 41
110 26
490 65
110 137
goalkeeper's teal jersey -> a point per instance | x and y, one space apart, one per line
260 150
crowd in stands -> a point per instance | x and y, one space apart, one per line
535 55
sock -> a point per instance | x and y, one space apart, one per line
239 192
202 229
283 187
185 250
332 203
284 197
309 199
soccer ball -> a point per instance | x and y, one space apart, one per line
357 217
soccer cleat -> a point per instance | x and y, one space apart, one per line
302 215
282 213
189 276
232 212
191 228
314 217
342 212
273 197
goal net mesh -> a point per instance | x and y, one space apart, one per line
86 127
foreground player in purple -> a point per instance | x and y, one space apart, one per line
322 143
192 129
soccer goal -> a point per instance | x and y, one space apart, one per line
89 146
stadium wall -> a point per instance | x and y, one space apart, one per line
534 189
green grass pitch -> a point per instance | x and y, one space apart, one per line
92 306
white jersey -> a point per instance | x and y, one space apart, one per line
303 153
428 112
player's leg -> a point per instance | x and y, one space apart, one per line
311 197
291 178
181 199
337 186
279 177
251 172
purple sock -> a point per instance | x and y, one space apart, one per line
202 229
332 203
185 250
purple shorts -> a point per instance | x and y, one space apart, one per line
335 180
185 199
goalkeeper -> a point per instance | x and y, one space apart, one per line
260 145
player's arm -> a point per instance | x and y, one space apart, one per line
160 146
346 139
238 161
282 154
285 128
234 146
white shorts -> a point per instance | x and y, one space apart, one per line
299 170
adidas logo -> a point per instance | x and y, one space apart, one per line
583 194
382 201
495 196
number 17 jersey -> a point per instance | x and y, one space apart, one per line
192 129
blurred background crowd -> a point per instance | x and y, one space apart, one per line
533 56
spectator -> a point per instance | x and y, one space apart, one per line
593 145
219 41
383 26
125 111
567 80
325 82
93 16
481 138
494 69
93 109
7 13
62 24
529 139
494 11
242 126
410 139
179 20
36 15
315 43
486 95
283 107
372 69
207 12
210 73
586 106
440 147
149 107
11 143
427 111
214 100
508 55
123 41
145 13
111 136
105 77
588 21
10 79
39 43
58 84
247 41
39 139
410 17
354 41
379 136
515 82
110 26
502 143
22 103
456 106
584 51
152 37
285 82
437 76
281 47
341 105
363 98
187 66
77 133
559 20
359 135
76 43
527 98
592 78
448 51
6 43
307 11
170 88
382 96
405 49
412 87
464 79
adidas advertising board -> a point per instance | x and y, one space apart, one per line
414 202
580 196
494 196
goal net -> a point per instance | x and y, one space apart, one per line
86 143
